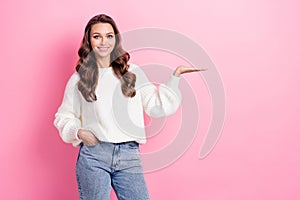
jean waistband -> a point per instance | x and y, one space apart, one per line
120 143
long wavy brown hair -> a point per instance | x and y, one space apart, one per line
87 63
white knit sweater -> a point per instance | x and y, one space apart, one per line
113 117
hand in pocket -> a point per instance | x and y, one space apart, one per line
87 137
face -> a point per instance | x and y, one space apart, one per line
102 39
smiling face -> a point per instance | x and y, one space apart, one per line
102 37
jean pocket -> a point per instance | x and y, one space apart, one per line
132 145
91 146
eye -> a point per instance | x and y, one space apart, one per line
96 37
110 36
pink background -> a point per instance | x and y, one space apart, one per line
255 46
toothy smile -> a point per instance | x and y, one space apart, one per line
103 48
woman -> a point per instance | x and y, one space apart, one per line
102 112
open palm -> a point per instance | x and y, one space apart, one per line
187 69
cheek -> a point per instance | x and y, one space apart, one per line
93 42
113 43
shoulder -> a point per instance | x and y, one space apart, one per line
74 77
140 74
73 80
137 70
133 67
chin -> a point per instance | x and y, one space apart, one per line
104 54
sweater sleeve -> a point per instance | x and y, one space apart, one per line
67 118
158 101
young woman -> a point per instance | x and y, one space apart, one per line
102 113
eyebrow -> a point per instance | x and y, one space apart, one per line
105 34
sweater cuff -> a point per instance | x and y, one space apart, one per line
174 81
76 136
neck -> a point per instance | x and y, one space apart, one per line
103 62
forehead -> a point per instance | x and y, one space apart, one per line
102 28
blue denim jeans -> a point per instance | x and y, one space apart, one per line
107 165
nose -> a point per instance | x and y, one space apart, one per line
103 40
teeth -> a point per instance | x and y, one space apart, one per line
103 48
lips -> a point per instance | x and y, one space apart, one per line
103 49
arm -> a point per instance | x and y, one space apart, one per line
158 101
67 118
183 69
166 99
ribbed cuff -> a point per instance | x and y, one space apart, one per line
174 81
76 135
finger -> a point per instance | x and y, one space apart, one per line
193 70
198 69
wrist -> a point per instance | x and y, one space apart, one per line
176 73
79 134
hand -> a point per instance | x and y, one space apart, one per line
184 69
87 137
